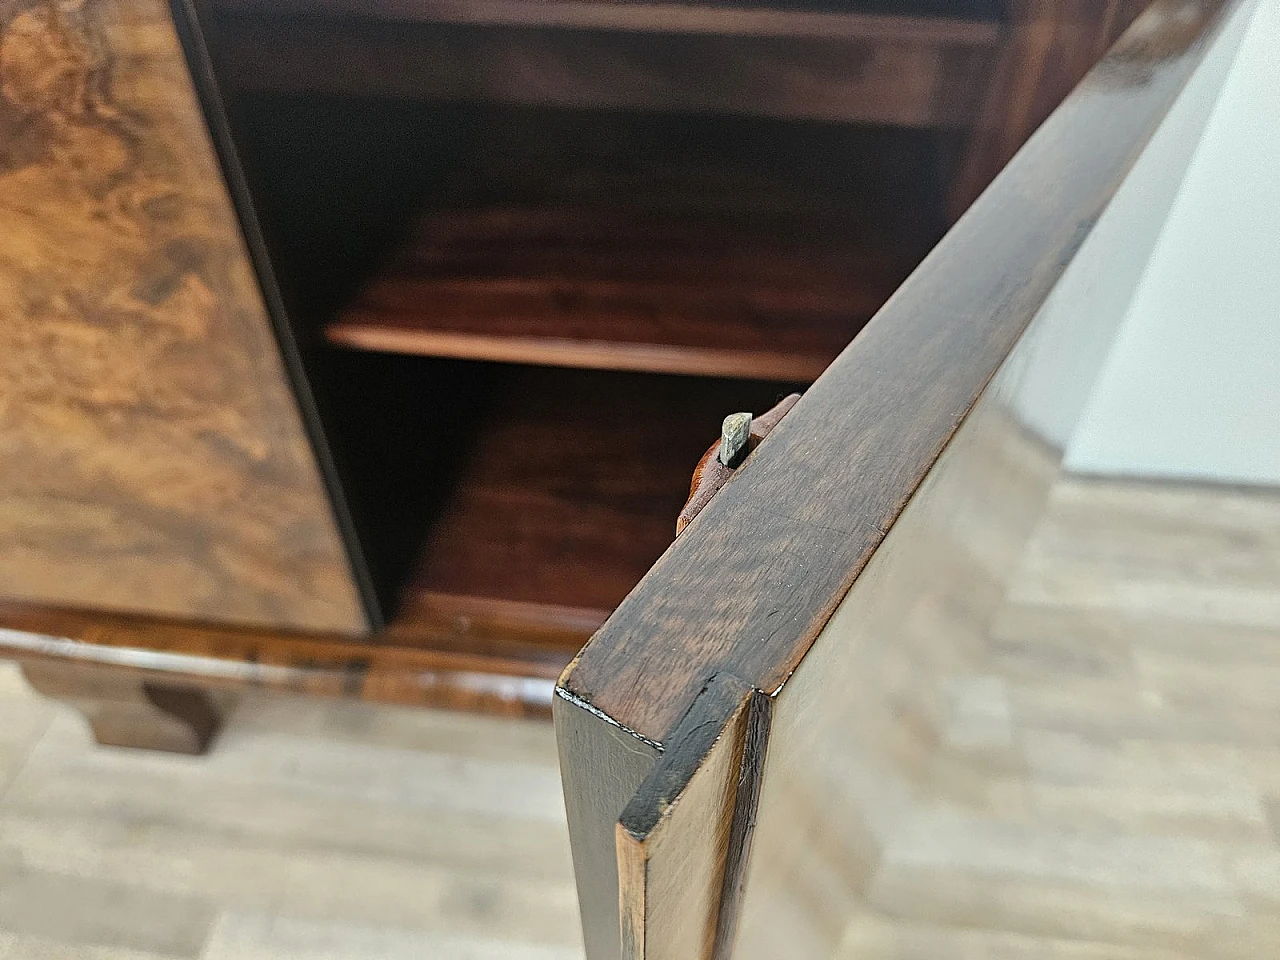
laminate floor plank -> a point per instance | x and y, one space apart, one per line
313 829
1109 763
263 937
99 913
23 719
26 947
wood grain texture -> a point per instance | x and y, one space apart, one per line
566 495
711 474
755 577
835 78
856 736
549 521
1081 765
1080 768
716 245
682 840
152 457
742 823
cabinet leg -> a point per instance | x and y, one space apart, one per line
125 710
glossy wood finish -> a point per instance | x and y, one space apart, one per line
451 666
853 73
966 23
1079 764
713 246
903 646
152 453
125 710
756 577
549 521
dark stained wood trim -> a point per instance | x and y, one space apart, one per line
514 679
669 18
665 821
756 576
838 79
123 709
687 747
750 584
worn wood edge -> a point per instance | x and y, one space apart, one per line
187 23
633 888
599 674
742 829
519 682
601 766
654 17
703 724
726 703
363 330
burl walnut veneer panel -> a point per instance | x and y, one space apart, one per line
152 456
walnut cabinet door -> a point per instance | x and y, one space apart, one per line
939 672
155 450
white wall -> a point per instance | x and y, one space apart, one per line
1191 388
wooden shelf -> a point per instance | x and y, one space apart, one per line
956 23
746 312
791 62
715 247
567 494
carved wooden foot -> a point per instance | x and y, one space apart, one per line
124 710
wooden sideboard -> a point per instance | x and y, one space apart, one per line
366 349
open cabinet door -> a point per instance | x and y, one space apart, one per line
827 723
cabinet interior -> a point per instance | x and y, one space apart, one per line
529 278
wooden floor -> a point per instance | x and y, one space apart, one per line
1121 747
1125 737
313 831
